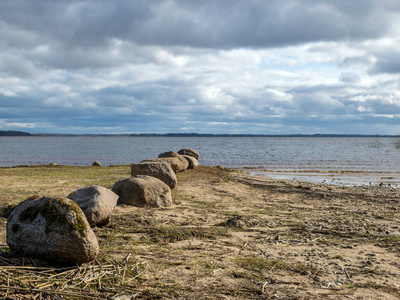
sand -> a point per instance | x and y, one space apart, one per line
283 240
230 235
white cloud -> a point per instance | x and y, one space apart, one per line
132 66
20 125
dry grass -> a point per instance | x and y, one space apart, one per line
228 236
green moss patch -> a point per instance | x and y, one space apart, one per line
55 211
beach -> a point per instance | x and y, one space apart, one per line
231 235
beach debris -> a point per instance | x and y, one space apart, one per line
158 169
53 229
193 163
97 203
184 163
96 164
143 190
236 222
189 152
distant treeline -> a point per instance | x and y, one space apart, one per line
20 133
13 133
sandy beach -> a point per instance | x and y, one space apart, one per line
230 235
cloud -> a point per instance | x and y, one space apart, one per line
349 77
205 66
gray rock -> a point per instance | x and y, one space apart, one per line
193 163
54 229
189 152
97 203
184 163
159 169
174 162
142 190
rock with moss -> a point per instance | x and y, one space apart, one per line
143 190
97 203
158 169
53 229
193 163
190 152
171 154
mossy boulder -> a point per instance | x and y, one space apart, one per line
54 229
143 190
190 152
158 169
96 202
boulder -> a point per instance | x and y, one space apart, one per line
96 202
189 152
159 169
54 229
184 163
96 164
143 190
174 162
193 163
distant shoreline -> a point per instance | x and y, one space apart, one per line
317 135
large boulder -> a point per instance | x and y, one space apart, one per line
184 163
193 163
54 229
97 203
159 169
143 190
189 152
174 162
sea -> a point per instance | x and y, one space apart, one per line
331 160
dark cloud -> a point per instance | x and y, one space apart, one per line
388 62
220 24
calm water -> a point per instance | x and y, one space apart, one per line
334 160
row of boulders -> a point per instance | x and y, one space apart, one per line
151 180
58 229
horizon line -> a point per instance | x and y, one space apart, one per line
193 134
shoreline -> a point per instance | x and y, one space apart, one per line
348 178
334 177
236 236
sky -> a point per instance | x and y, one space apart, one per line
189 66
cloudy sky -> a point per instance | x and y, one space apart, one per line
226 66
